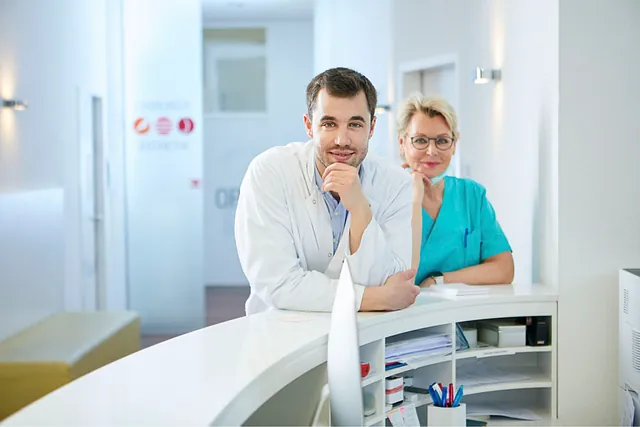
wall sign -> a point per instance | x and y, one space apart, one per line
164 125
141 126
185 125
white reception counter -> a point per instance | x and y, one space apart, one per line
270 368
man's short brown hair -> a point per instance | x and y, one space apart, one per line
344 83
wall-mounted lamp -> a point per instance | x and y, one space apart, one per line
382 109
14 104
485 76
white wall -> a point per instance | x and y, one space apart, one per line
163 78
599 203
48 51
505 126
232 140
31 257
356 34
115 226
524 144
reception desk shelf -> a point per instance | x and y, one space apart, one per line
524 375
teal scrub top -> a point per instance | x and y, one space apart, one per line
465 232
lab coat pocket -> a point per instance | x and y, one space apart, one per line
471 246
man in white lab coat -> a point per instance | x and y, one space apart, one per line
306 207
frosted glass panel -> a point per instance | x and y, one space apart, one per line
241 84
235 70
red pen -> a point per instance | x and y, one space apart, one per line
450 395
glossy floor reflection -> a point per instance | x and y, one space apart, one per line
222 303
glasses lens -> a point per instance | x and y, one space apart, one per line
444 142
419 142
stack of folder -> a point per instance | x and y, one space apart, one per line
421 344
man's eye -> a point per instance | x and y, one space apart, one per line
358 125
327 125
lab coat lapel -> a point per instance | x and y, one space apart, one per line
315 206
319 221
368 188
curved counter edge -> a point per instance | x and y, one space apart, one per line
222 374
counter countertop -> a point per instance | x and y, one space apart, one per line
223 373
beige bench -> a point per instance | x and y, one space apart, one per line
58 350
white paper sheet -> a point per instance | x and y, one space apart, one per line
477 373
396 418
410 416
456 290
417 345
502 411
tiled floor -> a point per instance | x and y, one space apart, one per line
222 303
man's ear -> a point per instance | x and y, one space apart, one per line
373 126
308 125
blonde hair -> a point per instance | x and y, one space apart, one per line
432 106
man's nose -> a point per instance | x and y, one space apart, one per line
342 138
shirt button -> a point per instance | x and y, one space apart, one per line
314 201
329 255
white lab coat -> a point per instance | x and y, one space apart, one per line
284 237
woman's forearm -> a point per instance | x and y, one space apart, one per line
496 270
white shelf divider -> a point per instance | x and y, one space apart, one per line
371 378
537 380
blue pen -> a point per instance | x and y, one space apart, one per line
456 401
434 396
437 392
444 397
466 233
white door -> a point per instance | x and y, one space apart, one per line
435 81
92 236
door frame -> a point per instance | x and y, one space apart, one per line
85 290
431 63
99 182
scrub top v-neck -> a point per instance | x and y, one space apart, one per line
465 232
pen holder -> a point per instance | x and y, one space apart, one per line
439 416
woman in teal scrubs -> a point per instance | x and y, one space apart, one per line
456 233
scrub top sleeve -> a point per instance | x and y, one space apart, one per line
494 241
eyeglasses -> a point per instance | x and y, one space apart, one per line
443 143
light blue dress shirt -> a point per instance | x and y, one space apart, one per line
465 232
336 210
